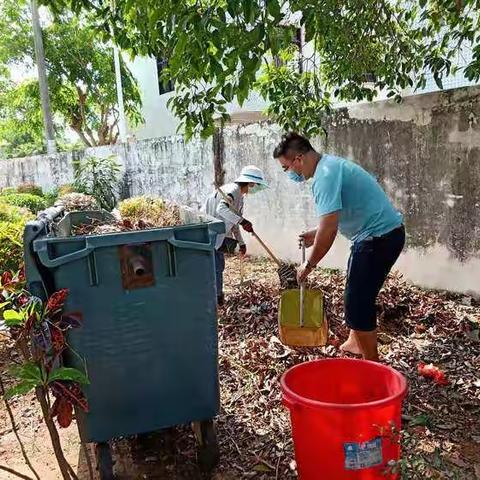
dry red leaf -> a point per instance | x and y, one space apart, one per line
432 372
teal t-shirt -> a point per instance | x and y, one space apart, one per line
364 208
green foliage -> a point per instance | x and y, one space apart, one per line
13 318
99 177
30 188
8 190
81 80
67 373
34 203
10 213
12 223
51 196
30 376
21 122
422 420
29 318
296 100
217 49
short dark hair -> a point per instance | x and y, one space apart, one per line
292 142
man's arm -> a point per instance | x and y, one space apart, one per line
326 233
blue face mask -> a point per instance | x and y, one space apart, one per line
296 177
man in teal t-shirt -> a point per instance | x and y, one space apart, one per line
349 199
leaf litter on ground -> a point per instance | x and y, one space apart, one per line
415 325
441 422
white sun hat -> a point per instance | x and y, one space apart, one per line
252 174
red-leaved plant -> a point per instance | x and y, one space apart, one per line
38 332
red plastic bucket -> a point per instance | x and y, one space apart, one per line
346 419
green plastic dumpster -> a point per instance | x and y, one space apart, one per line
148 334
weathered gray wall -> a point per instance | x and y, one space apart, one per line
165 166
426 153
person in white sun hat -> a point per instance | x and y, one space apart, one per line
251 180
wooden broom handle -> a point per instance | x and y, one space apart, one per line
260 241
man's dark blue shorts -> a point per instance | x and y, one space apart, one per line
368 266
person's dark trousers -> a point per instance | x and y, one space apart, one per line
219 268
370 262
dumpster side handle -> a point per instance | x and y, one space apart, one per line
42 252
193 245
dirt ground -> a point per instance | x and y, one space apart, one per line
441 423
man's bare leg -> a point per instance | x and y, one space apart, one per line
351 345
367 341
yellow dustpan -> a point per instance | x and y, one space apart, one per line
301 317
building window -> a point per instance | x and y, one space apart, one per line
163 87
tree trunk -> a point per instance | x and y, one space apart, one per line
66 470
82 136
42 80
82 99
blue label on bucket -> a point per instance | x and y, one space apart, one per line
363 455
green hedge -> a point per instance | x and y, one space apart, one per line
12 222
8 190
33 202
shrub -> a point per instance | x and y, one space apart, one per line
8 190
30 188
100 178
33 202
151 210
51 196
12 223
11 213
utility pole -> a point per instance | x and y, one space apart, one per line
122 123
42 79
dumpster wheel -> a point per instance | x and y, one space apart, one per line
104 461
208 452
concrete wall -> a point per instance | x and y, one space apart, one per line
165 166
426 153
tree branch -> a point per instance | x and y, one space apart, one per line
65 468
82 99
14 472
111 130
82 136
15 431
